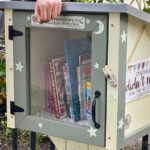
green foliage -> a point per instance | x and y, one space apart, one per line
113 1
89 1
148 2
147 8
2 74
23 138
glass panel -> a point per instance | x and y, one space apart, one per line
60 75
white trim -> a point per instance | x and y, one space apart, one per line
9 68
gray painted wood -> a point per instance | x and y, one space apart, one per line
82 7
32 88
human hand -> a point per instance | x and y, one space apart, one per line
46 10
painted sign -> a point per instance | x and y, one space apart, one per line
71 22
137 80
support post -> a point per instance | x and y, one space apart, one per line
15 139
145 142
33 140
52 146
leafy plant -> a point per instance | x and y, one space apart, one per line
2 74
147 7
2 84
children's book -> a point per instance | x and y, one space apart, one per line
85 75
49 90
52 90
80 93
88 101
67 90
74 48
85 59
58 64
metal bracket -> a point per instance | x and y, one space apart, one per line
13 33
14 108
109 75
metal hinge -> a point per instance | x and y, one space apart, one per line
14 108
109 75
12 32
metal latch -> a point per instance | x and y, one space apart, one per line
109 75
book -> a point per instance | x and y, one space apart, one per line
52 90
58 64
49 89
80 90
88 101
85 59
85 75
74 48
67 90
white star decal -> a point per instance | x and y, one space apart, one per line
28 18
92 132
40 125
96 65
123 37
87 21
121 124
19 67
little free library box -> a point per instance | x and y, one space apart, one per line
83 77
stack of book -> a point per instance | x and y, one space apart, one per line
68 82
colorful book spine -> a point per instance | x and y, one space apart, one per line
52 89
58 64
85 76
88 101
50 107
67 90
84 59
80 93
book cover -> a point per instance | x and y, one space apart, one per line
85 75
88 101
49 90
74 48
58 64
80 93
52 89
67 90
85 59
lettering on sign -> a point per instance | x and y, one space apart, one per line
71 22
137 80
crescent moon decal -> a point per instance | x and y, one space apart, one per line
101 27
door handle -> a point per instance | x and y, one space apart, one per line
97 96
